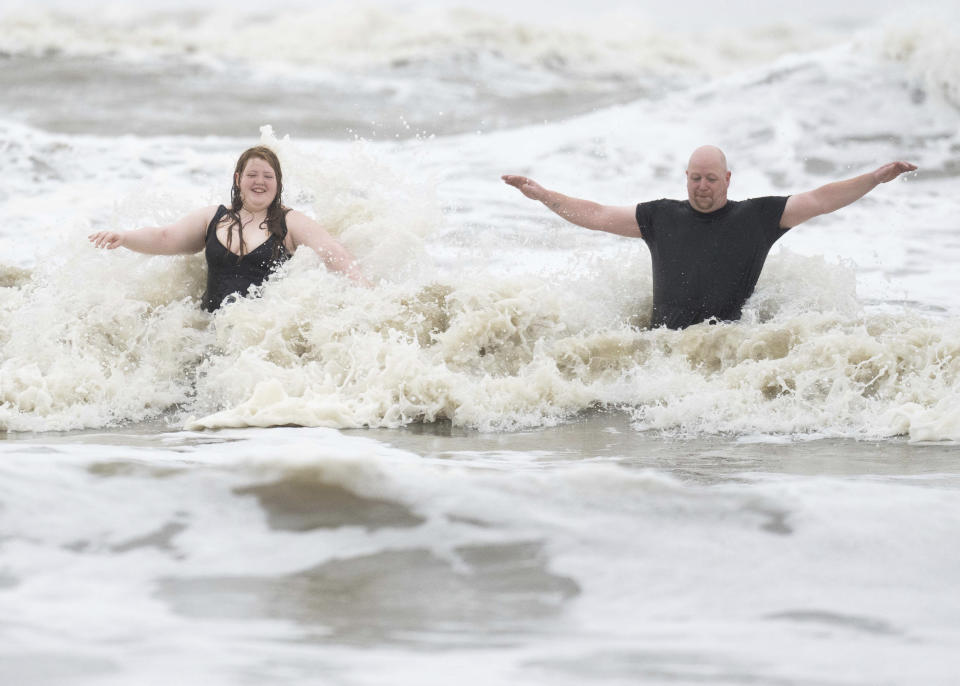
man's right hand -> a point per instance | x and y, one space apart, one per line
528 187
586 213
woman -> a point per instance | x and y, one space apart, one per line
245 242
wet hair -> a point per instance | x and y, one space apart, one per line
273 222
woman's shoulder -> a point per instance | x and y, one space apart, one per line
302 229
297 220
214 213
210 211
202 215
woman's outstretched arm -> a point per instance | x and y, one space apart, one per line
184 236
306 231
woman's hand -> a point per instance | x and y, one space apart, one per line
107 239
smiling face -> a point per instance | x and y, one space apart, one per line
707 179
258 184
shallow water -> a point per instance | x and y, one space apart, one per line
585 551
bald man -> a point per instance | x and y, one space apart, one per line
707 251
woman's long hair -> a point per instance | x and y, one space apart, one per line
273 222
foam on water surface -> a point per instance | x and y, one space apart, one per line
528 350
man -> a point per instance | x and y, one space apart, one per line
707 251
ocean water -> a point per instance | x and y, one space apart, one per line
486 468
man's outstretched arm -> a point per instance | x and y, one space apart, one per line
833 196
586 213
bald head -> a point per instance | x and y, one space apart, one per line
707 179
708 155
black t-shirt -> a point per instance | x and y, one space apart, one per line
706 265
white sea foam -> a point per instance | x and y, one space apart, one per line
349 36
317 351
928 42
454 328
433 340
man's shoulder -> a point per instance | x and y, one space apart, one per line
763 201
662 202
661 207
660 216
764 213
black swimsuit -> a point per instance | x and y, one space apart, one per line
228 273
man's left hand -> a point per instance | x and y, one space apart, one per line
889 172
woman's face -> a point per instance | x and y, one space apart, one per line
258 185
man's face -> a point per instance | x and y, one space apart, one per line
707 182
